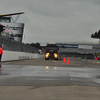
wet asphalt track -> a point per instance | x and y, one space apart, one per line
45 75
38 79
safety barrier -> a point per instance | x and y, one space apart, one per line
14 55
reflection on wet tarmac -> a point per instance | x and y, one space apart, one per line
55 68
47 67
32 75
46 71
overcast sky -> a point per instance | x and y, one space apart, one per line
56 20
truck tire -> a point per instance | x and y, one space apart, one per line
46 58
56 59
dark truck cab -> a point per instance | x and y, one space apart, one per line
51 51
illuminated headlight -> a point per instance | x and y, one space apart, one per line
55 55
47 55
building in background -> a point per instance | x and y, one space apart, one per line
12 30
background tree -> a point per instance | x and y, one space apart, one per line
37 45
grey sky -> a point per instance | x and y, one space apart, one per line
56 20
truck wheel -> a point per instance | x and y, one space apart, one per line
46 58
56 59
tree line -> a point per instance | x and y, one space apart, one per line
96 35
37 45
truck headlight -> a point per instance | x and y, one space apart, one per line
55 55
47 55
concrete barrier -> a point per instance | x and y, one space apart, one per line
12 55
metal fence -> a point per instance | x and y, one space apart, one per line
12 45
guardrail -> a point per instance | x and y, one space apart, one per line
14 55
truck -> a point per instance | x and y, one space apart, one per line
51 51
